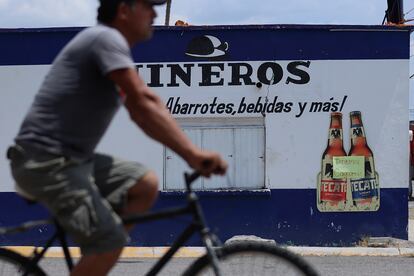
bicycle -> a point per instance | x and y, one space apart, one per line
250 258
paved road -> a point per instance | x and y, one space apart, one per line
337 266
363 266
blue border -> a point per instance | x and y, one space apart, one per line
288 216
247 43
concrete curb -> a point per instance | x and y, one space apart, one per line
194 252
352 251
128 252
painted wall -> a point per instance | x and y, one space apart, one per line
305 72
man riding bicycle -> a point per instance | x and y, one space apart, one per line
54 161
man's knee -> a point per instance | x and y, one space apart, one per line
146 187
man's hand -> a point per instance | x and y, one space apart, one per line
207 163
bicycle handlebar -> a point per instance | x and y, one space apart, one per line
191 177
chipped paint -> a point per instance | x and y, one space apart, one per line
336 228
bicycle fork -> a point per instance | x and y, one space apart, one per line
206 234
212 254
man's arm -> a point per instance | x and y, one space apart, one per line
149 112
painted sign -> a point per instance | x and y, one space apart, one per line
347 181
232 86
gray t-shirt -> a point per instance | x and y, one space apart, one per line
76 101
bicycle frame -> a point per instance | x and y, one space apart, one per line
192 207
198 225
58 235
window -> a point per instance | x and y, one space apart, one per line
241 142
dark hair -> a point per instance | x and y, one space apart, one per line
108 9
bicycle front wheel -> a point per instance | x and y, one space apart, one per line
252 258
12 263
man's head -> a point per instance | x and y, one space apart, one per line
133 18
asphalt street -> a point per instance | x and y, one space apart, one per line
325 265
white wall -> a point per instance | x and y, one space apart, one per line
19 84
294 145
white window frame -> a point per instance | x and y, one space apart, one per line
228 123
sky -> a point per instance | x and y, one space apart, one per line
52 13
65 13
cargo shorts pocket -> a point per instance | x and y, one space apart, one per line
76 212
46 164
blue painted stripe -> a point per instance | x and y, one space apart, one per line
287 216
246 43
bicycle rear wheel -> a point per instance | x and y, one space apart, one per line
12 263
252 258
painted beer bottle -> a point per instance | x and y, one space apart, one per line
365 191
332 191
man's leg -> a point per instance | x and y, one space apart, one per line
67 189
96 264
140 197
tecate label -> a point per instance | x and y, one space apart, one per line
333 190
364 188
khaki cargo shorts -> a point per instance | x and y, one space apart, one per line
84 196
